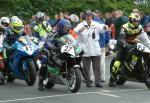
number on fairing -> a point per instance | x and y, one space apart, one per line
67 48
141 47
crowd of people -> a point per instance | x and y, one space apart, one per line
91 29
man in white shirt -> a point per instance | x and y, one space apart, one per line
88 36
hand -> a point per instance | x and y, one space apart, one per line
82 29
136 40
106 27
39 25
44 24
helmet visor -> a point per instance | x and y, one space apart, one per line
5 24
66 30
17 28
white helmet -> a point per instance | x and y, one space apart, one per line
74 18
40 16
4 22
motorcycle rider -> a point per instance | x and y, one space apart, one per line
74 22
4 24
130 31
11 35
42 30
63 28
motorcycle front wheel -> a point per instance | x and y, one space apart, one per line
2 80
74 80
146 73
30 74
49 85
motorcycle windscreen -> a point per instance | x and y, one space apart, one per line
144 39
28 44
69 40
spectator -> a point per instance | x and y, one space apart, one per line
82 16
66 15
135 11
120 20
88 36
32 24
144 20
103 41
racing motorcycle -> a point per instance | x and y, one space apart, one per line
2 66
63 64
136 66
21 61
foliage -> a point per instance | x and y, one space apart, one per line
26 8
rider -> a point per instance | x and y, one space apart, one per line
4 24
12 34
129 32
41 28
74 21
62 29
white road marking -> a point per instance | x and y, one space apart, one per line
125 90
106 94
42 97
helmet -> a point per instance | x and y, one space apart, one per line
4 22
74 18
64 26
40 16
17 25
134 20
13 18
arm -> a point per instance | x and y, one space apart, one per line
46 26
79 28
122 37
102 28
6 39
38 27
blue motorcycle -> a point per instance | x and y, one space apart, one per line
22 61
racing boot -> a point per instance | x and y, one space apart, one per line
40 85
42 75
114 70
112 82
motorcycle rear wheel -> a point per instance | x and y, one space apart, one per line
10 78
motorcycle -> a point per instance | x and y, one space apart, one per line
63 64
136 66
21 61
2 66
